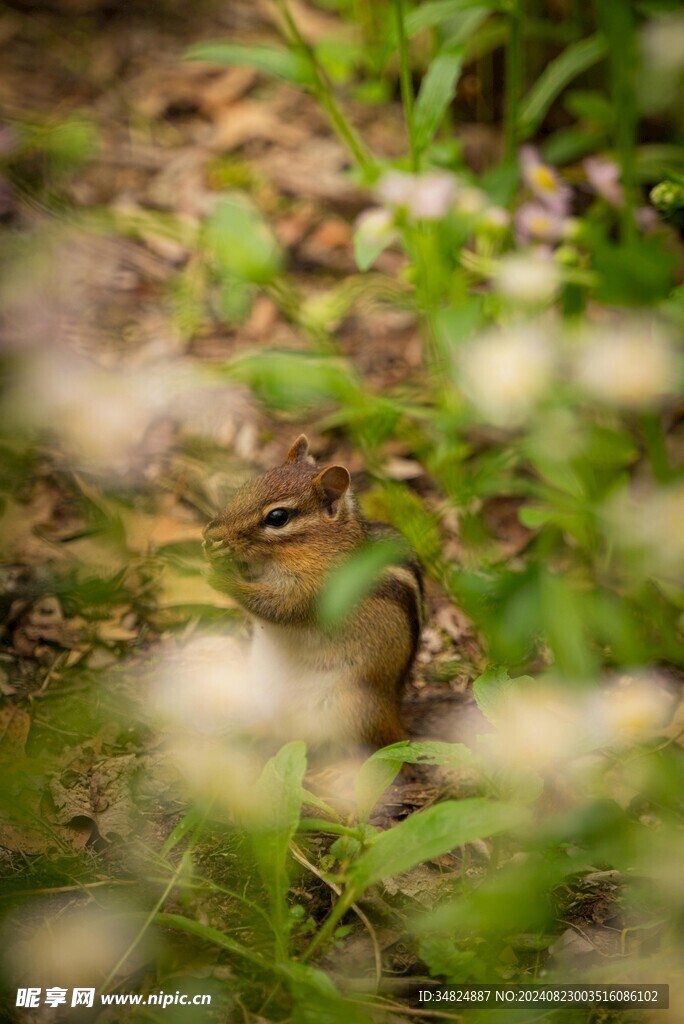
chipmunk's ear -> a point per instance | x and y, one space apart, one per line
332 483
299 452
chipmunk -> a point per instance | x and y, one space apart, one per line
273 549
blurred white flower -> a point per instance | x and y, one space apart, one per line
647 524
395 187
539 726
427 196
630 364
604 177
633 710
663 43
662 65
536 222
217 772
99 415
494 219
544 182
470 200
75 947
203 687
506 372
548 727
108 420
527 279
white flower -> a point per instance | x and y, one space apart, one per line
663 43
535 222
604 177
506 372
395 188
494 219
633 710
647 523
527 279
540 725
631 364
470 200
544 182
427 196
74 946
203 687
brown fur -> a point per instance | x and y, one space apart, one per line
277 575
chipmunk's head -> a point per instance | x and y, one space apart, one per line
292 515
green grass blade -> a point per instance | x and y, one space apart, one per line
270 60
438 11
568 65
436 93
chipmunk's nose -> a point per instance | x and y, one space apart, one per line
214 537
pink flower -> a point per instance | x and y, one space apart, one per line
603 176
427 196
544 181
535 222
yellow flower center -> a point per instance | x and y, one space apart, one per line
544 178
540 225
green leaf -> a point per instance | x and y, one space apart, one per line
438 11
435 95
488 691
271 60
591 106
465 27
571 62
382 767
429 834
640 273
240 243
453 755
367 246
273 821
374 776
289 380
351 581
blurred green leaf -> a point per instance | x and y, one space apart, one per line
355 578
435 94
271 60
490 689
278 798
445 959
71 142
572 62
367 247
590 105
293 380
437 12
640 273
240 243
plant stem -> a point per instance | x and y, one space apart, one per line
616 19
514 79
654 441
322 90
336 914
406 83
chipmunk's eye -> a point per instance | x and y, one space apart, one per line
278 517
